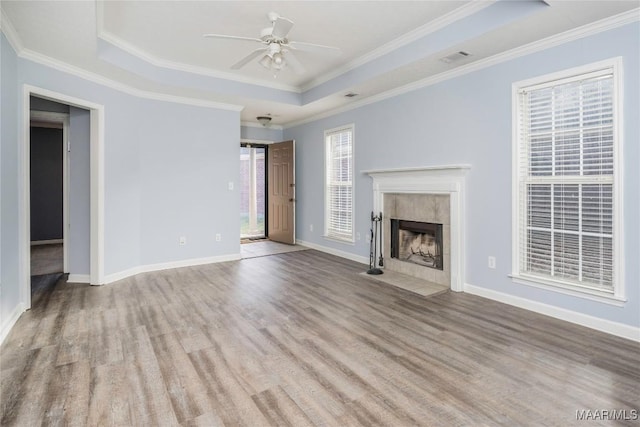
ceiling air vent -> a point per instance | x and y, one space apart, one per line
351 94
455 57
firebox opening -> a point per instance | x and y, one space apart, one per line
417 242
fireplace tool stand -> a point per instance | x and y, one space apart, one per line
376 224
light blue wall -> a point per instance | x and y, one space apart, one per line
122 182
8 188
122 213
79 191
446 39
468 120
167 169
261 133
188 156
184 79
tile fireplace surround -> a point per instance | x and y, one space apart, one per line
427 194
432 208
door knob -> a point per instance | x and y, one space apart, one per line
292 200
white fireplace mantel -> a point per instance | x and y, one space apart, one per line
446 179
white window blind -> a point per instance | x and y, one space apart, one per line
565 180
339 184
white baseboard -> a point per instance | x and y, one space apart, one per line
114 277
603 325
78 278
332 251
8 323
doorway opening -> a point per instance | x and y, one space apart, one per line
267 198
48 193
83 262
253 194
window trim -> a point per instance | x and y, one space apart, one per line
326 234
617 297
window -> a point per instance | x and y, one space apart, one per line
565 195
339 183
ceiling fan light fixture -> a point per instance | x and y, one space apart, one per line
266 62
276 44
264 120
278 64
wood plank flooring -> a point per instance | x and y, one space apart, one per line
301 339
253 249
409 283
47 259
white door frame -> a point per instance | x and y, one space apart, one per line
96 145
62 119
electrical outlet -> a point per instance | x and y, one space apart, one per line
311 228
492 262
357 235
218 237
230 185
182 240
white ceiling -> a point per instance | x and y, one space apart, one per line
384 44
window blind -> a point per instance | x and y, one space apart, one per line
339 184
566 179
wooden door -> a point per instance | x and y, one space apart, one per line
281 186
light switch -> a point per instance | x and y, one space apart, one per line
492 262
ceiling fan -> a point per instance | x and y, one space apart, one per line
277 50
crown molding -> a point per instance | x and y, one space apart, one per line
12 36
105 35
122 87
413 35
432 26
603 25
191 69
546 43
10 32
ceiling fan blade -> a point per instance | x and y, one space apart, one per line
312 47
291 59
224 36
244 61
281 28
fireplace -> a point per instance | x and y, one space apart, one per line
425 194
417 235
417 242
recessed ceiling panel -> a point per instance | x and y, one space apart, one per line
173 30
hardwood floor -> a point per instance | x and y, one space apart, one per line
301 339
47 259
267 247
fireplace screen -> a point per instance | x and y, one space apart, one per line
417 242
